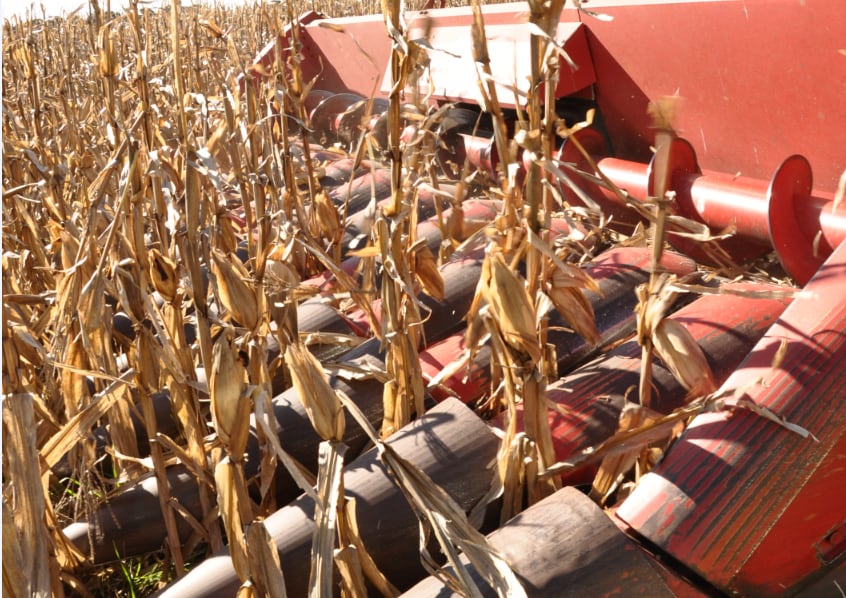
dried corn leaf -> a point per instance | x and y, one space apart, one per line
614 466
438 512
91 306
304 478
15 582
349 567
348 523
264 562
79 426
437 509
769 414
234 503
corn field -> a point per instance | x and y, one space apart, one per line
163 220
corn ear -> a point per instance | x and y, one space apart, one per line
322 405
513 309
235 293
109 62
683 357
163 273
426 269
327 221
574 306
230 406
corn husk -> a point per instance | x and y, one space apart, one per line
234 511
613 467
575 307
230 406
164 274
513 309
322 405
264 562
428 274
683 357
235 292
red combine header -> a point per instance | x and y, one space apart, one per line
739 504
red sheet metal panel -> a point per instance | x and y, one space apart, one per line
752 507
761 79
726 327
351 54
453 73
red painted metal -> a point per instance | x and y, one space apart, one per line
752 507
779 213
726 327
452 73
617 272
759 79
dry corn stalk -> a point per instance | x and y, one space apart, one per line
332 516
401 323
329 498
25 538
441 516
504 307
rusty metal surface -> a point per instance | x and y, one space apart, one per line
751 506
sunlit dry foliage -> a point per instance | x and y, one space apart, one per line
163 219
